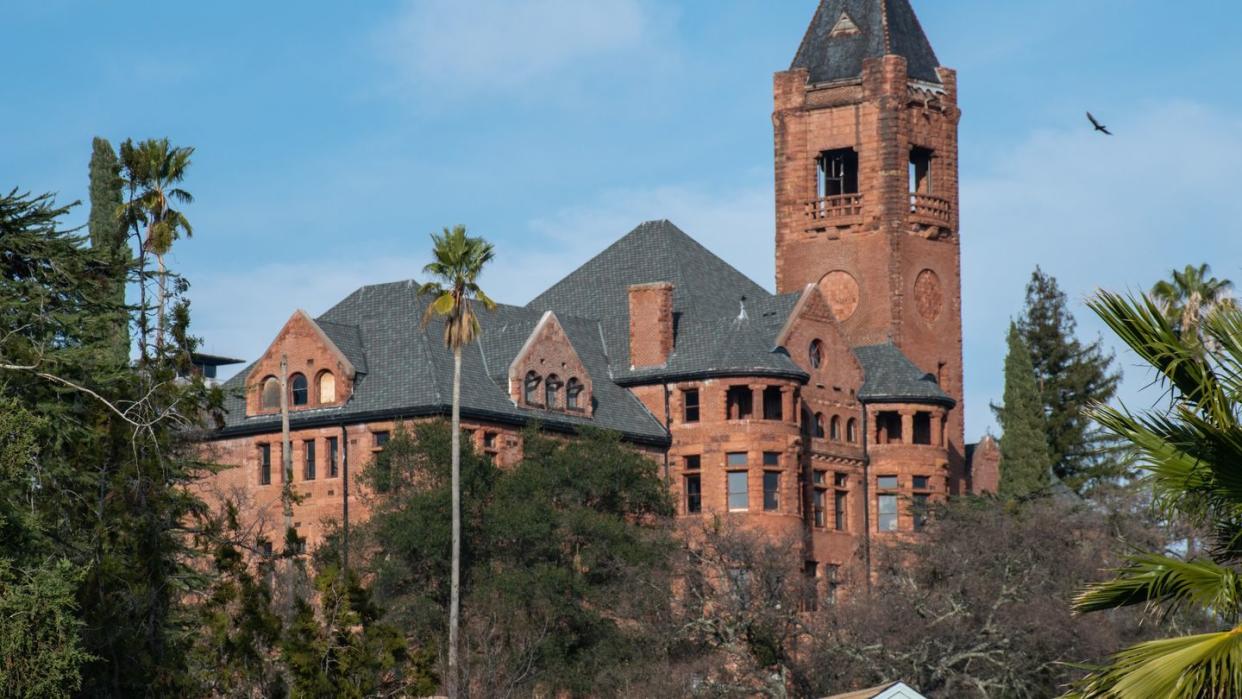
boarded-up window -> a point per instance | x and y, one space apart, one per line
327 388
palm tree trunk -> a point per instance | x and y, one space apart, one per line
163 296
455 583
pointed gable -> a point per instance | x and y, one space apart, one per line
844 33
547 373
321 375
811 322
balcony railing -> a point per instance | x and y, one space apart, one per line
930 208
838 210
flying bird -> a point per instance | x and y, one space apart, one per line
1098 126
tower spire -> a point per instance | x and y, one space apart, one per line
844 33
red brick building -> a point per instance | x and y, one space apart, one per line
830 411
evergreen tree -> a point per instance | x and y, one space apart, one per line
109 236
1025 466
110 488
1071 377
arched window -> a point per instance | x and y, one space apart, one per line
551 391
835 428
573 394
816 353
851 431
819 425
530 388
327 388
269 398
299 389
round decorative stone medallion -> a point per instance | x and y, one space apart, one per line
840 289
928 295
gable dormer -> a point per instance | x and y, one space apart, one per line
813 338
320 374
547 373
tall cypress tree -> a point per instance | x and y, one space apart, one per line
108 236
1025 464
1070 377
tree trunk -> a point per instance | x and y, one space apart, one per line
286 458
455 582
160 303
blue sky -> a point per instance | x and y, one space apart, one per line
334 137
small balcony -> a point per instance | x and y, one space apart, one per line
936 211
835 211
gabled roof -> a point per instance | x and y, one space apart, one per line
893 690
890 377
844 33
708 294
409 372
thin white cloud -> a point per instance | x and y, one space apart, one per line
1095 212
496 45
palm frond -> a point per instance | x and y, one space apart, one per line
1205 666
1151 578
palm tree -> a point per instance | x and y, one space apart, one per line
459 259
152 171
1189 296
1189 457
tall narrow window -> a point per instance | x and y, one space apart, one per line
739 491
819 425
919 508
839 510
832 574
694 494
887 503
838 172
690 405
851 431
530 388
265 463
573 394
327 388
816 354
269 399
551 391
810 581
819 503
835 428
308 468
771 491
920 171
299 389
922 428
772 409
740 403
333 467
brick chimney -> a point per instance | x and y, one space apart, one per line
651 324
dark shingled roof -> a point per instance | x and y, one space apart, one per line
890 377
707 301
409 372
883 27
404 370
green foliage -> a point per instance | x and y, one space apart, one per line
109 237
41 654
1071 378
1190 295
1026 467
560 555
1188 456
341 649
459 260
108 491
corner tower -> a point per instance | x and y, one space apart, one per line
866 187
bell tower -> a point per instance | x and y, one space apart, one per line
865 123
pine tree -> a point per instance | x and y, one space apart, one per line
1070 377
109 237
1025 464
